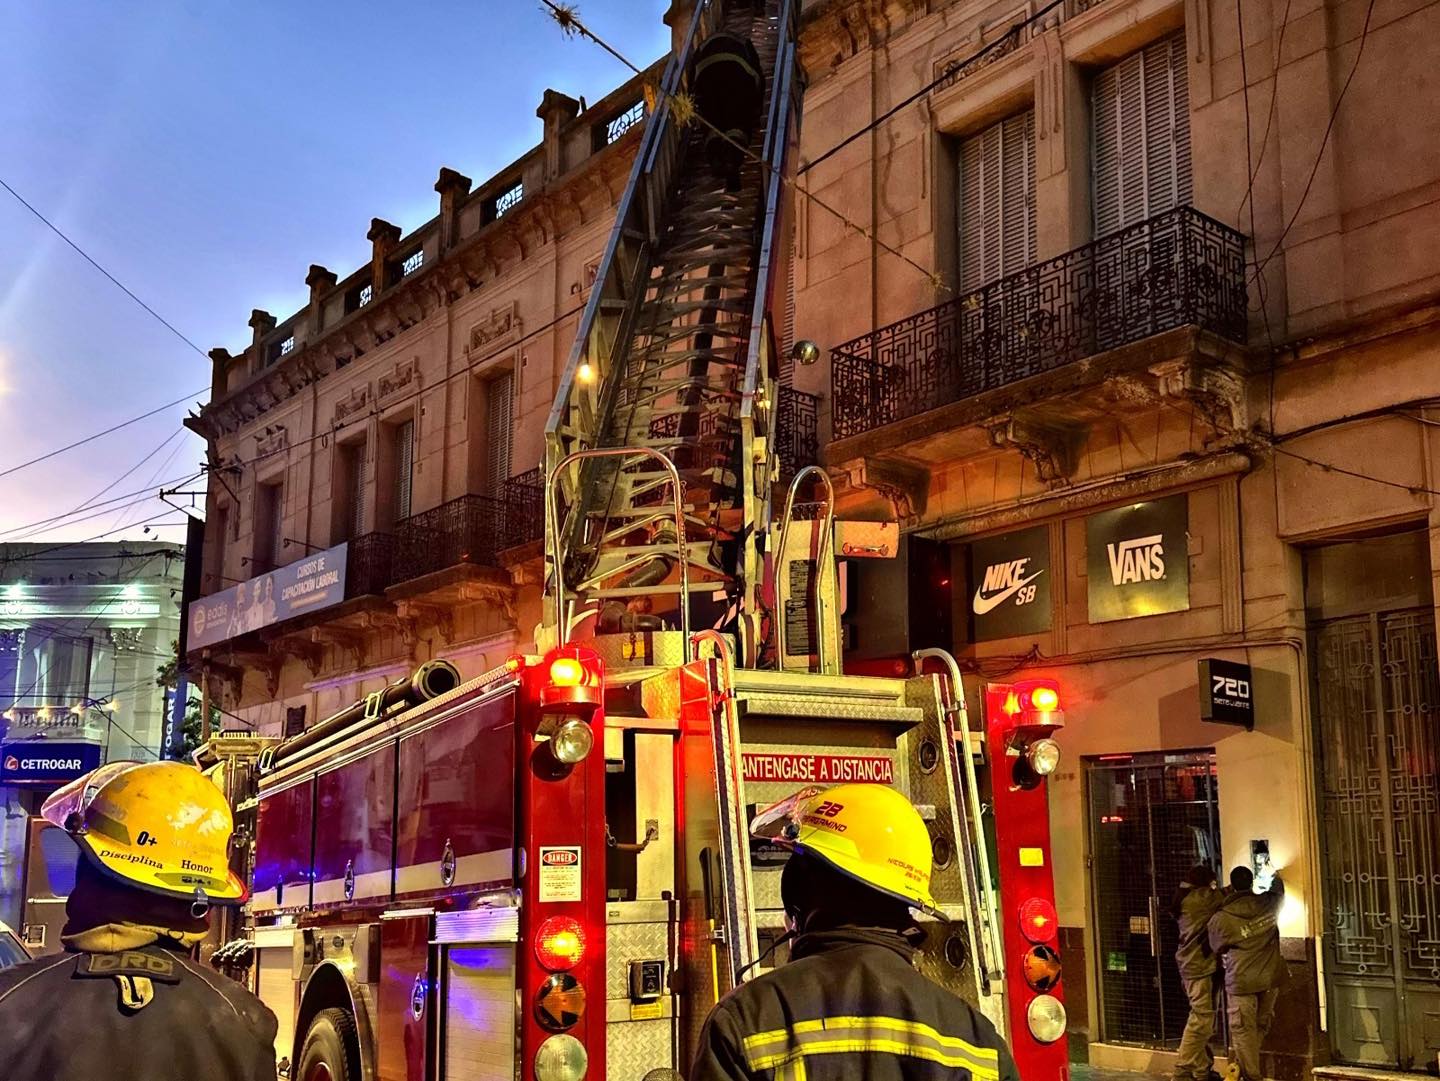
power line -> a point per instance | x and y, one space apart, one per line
113 280
950 72
28 556
102 508
1324 142
1270 113
91 438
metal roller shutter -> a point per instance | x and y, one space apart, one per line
355 461
276 988
1140 138
997 201
404 468
479 1036
499 406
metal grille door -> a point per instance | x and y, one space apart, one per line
1376 703
1152 818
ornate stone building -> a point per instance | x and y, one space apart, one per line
1134 329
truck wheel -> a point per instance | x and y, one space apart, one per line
330 1049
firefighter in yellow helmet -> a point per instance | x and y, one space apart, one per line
125 1000
850 1003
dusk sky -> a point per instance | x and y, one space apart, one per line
206 154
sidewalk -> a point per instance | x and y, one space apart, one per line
1083 1071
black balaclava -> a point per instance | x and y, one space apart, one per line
819 898
99 899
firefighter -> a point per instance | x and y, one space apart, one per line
729 88
850 1003
1245 935
125 1001
1196 900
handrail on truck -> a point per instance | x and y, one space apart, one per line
992 959
822 560
552 535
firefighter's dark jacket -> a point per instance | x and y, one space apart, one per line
145 1014
1193 955
1245 935
849 1005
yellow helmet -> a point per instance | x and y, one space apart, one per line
161 826
868 831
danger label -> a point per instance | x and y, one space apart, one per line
560 873
820 768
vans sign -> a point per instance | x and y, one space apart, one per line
46 762
1010 584
1138 559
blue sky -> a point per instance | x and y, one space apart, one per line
206 153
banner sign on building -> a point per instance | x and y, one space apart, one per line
315 582
1138 561
1010 584
46 762
1227 692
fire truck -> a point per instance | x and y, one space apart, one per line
546 871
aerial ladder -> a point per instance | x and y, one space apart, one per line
717 618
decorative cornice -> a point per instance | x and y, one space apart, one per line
569 203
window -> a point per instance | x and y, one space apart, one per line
352 490
499 403
997 201
404 459
279 349
358 296
413 262
614 129
1140 112
269 524
505 202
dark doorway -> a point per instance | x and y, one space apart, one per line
1151 818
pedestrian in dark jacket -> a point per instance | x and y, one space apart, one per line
850 1005
729 88
125 1001
1245 935
1196 900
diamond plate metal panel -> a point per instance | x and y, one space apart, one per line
626 942
634 1048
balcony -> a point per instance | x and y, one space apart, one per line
796 431
369 565
524 499
1176 270
465 530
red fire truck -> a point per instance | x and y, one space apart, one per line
546 872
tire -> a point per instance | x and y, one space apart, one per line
331 1049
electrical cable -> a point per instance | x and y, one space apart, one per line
103 507
1324 143
99 435
1270 113
89 259
950 72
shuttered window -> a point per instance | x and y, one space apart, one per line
997 201
499 404
404 467
1140 112
355 483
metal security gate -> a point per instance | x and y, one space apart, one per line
1152 817
1376 708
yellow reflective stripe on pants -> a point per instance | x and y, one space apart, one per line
780 1048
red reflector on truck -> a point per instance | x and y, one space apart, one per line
560 943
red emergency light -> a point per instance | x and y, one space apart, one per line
1034 702
560 943
571 681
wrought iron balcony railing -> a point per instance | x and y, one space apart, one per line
797 441
465 530
1176 269
524 499
369 565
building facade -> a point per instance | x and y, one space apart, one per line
83 630
1134 330
1128 329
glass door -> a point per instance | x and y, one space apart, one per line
1151 818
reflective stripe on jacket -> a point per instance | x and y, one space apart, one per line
849 1005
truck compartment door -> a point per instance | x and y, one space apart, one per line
455 824
354 828
284 831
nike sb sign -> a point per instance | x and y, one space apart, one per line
1138 559
1010 584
